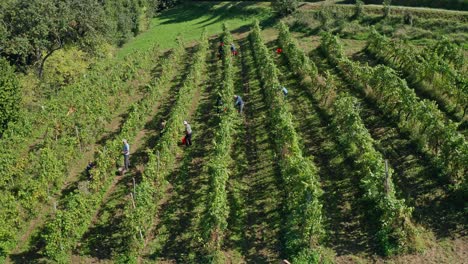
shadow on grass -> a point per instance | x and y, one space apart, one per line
216 13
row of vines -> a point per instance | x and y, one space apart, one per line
55 134
140 212
396 231
438 68
420 118
303 227
75 214
215 218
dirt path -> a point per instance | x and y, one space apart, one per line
177 227
255 182
344 215
102 238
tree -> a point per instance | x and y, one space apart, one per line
35 29
9 95
285 7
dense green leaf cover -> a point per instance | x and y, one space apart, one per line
421 118
397 232
10 100
161 159
216 214
440 68
303 227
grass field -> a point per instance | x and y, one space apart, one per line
256 193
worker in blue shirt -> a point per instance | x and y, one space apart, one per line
285 91
239 103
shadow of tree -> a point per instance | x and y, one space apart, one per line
215 14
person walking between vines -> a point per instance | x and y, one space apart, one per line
188 134
126 154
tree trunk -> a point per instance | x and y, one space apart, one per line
41 66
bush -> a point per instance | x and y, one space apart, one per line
9 95
284 7
64 67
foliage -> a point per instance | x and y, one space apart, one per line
325 15
63 68
10 99
137 221
397 232
284 7
438 68
73 218
421 118
303 226
215 219
163 156
61 129
386 8
35 29
446 4
354 137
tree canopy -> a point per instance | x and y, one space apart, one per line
31 30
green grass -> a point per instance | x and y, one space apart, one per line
188 20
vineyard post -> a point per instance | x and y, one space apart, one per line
157 153
78 137
134 187
134 207
133 200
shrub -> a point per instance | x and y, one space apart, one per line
284 7
9 95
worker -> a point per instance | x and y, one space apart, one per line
126 154
163 126
233 49
89 167
188 134
285 91
239 103
221 50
